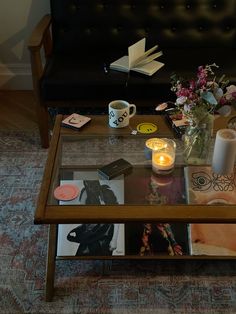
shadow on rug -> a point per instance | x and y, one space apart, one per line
80 287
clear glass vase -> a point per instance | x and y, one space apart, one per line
197 140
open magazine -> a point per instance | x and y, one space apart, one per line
139 60
99 239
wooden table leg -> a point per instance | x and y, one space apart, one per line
50 272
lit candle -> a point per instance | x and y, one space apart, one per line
162 161
163 158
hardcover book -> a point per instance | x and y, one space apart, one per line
205 187
138 60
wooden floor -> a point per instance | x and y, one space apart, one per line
17 110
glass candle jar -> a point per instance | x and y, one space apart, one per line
163 158
153 144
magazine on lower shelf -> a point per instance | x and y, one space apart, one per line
150 238
93 239
205 187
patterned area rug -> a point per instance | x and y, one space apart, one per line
82 286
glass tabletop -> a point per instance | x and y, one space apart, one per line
75 158
80 158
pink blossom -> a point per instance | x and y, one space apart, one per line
183 92
202 82
230 92
205 92
192 85
223 101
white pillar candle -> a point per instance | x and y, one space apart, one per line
224 152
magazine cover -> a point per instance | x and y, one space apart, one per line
147 238
205 187
213 239
93 239
90 240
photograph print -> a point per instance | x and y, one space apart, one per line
93 239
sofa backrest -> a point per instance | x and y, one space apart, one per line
110 26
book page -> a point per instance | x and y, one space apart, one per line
136 51
149 68
146 59
121 64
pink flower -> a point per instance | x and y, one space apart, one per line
223 101
183 92
230 92
203 93
192 85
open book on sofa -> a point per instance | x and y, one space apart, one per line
139 60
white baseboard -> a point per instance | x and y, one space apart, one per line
15 76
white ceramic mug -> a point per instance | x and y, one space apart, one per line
120 111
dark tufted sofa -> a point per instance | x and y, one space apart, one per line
81 37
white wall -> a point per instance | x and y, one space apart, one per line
17 20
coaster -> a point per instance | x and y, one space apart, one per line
66 192
146 128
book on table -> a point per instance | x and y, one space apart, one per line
205 187
139 60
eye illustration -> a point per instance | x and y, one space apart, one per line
201 181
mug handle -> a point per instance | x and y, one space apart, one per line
133 110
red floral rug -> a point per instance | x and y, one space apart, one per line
82 286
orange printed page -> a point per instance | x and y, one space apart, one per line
213 239
205 187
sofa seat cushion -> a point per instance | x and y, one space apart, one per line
66 78
73 78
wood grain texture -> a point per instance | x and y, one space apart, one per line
17 110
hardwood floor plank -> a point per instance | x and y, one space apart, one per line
17 110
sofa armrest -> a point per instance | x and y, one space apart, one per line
40 34
40 38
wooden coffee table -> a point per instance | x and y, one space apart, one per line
97 144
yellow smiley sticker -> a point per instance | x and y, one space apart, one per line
146 128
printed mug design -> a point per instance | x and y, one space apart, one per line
119 113
119 120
